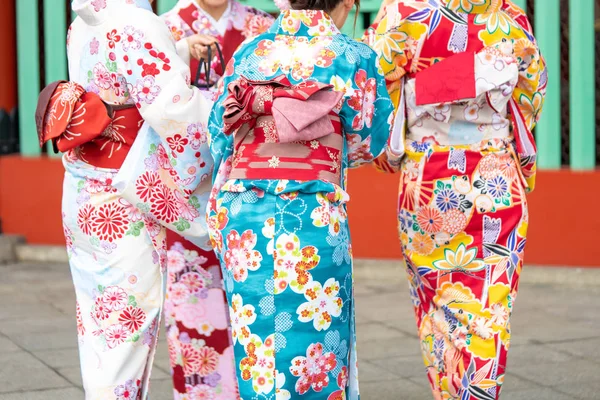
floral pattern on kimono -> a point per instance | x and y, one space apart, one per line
241 22
115 219
462 205
284 244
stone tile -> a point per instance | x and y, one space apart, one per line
368 372
403 367
587 391
60 339
399 389
73 375
17 311
161 389
369 349
7 345
558 374
535 355
586 348
514 383
540 394
542 327
38 325
161 360
375 331
20 371
59 358
57 394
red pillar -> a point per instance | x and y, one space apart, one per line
8 61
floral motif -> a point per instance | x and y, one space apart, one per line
313 370
240 256
322 305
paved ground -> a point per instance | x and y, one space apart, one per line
555 354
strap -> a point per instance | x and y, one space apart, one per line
207 67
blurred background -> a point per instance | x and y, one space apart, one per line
556 344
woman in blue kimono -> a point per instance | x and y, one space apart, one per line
298 106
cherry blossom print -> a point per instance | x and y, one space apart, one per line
146 90
114 298
115 335
313 370
94 46
293 263
259 363
147 184
363 100
242 316
110 221
163 204
323 304
240 256
132 38
342 381
132 318
99 5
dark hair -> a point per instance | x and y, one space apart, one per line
322 5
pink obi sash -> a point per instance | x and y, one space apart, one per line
284 131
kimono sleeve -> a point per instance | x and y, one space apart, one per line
367 113
159 83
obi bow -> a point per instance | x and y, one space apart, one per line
300 112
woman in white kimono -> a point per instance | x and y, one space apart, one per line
125 185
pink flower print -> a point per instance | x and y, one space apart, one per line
186 210
241 256
146 90
115 335
201 392
119 84
114 298
94 46
363 100
152 226
99 5
101 76
134 214
209 360
147 184
80 326
190 359
342 381
196 134
128 391
193 281
313 369
132 38
179 293
176 261
132 318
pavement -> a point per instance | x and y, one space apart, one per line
555 352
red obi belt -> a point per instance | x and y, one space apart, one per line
284 131
74 119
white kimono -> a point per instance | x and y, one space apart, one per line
115 220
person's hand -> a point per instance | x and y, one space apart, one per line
199 44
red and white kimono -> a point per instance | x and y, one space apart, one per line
131 174
197 315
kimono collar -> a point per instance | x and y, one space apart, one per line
474 6
304 23
94 12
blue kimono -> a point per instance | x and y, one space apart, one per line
298 106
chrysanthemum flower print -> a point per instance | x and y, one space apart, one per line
242 316
293 263
241 256
322 304
259 363
313 370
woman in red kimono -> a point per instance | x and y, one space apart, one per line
196 313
